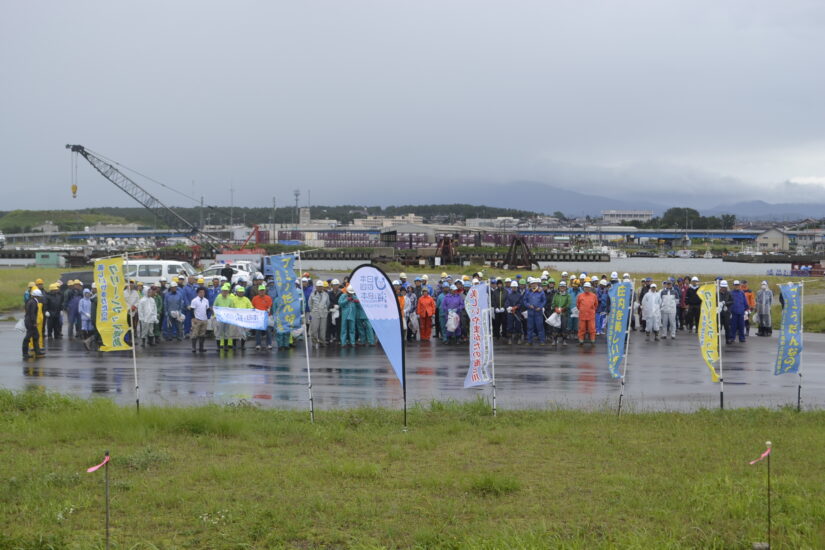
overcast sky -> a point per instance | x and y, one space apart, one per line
345 98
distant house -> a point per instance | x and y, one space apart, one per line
773 239
619 216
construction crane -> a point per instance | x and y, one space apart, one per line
149 201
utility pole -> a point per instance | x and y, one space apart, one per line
297 194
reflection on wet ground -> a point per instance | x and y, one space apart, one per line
665 375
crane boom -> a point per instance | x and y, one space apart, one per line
149 201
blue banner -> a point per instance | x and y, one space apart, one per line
789 356
288 314
477 306
246 318
621 296
374 291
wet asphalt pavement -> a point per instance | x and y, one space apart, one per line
664 375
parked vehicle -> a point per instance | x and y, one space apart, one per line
150 271
243 270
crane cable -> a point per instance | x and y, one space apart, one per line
114 162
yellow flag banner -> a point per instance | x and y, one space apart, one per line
112 311
709 328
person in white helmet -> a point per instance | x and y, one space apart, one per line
515 322
693 302
334 316
318 311
652 312
587 303
33 321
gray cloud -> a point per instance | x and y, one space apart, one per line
345 97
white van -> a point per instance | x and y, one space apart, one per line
150 271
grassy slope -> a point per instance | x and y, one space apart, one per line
13 284
66 219
239 477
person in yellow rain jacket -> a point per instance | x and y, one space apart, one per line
33 321
240 301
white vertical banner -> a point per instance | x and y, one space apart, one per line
477 305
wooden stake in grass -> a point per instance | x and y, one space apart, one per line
767 454
105 466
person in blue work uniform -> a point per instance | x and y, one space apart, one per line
349 309
533 301
173 307
512 305
738 307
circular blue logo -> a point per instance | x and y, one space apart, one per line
380 283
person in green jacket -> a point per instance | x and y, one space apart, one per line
240 301
223 331
562 302
348 302
442 315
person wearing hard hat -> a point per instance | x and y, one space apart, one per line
347 303
425 282
574 289
426 312
223 335
263 302
54 308
148 318
694 305
334 312
560 305
670 305
652 311
587 302
402 277
498 295
71 301
442 315
453 305
240 301
513 307
738 310
32 320
318 311
157 328
645 288
173 306
533 302
409 313
764 302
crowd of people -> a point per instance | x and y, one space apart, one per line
523 309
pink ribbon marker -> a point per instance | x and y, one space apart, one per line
99 466
766 453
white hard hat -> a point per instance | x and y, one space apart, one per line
425 277
37 292
319 282
259 275
396 282
694 279
402 275
652 285
336 282
736 282
163 279
564 274
514 284
583 276
723 283
475 281
350 289
587 285
174 284
614 275
545 273
507 280
626 276
304 279
603 282
594 279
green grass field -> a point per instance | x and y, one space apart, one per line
13 283
240 477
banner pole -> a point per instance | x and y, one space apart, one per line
626 345
490 346
719 339
134 344
801 335
306 342
106 471
769 497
